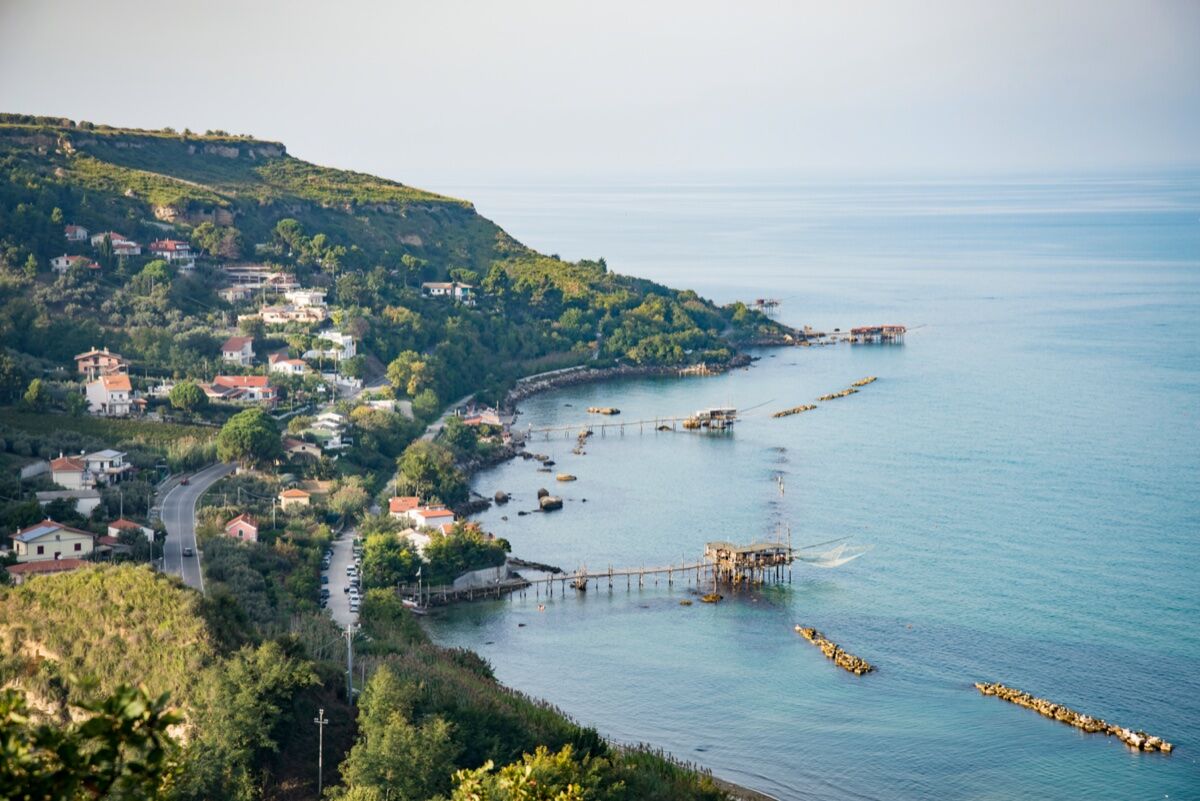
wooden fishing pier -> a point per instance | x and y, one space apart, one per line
717 419
724 565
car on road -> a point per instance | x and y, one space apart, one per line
185 482
188 552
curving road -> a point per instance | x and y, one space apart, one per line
179 517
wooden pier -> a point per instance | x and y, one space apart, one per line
724 565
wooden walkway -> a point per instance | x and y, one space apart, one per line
620 426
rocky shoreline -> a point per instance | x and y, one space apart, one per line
529 387
1138 740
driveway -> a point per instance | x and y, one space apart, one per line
435 428
179 518
339 601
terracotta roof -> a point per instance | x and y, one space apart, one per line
242 381
112 542
125 524
95 352
242 518
46 566
67 463
236 343
117 383
293 493
169 244
403 503
428 513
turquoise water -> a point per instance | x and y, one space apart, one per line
1026 469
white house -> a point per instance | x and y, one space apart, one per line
70 472
76 233
117 526
174 251
280 363
49 540
239 350
63 264
110 395
463 293
400 506
121 245
303 298
430 516
85 501
241 388
282 315
341 346
100 362
107 466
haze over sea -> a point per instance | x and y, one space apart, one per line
1027 468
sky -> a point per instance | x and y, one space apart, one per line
414 90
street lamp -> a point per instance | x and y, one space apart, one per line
321 722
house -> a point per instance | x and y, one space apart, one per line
430 516
173 250
24 571
293 497
117 526
76 233
260 276
280 363
243 527
302 298
110 395
482 417
100 362
463 293
400 506
84 501
239 350
70 472
341 346
121 245
49 540
295 447
240 389
63 264
236 293
107 466
282 315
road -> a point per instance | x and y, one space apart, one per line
179 517
435 428
339 601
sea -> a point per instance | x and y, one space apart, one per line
1025 472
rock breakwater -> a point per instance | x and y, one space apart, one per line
805 407
843 659
1138 739
835 395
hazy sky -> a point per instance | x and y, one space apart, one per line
414 89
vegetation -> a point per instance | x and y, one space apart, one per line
249 437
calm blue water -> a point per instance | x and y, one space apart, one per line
1027 468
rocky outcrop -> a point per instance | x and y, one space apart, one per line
843 659
501 497
565 477
549 503
807 407
603 410
1138 739
862 382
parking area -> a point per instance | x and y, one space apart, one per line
339 580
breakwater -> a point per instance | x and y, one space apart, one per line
843 659
804 407
835 395
569 377
1138 739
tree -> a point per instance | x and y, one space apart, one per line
31 266
36 397
188 397
249 437
428 468
541 776
460 436
388 560
12 378
350 498
75 404
121 749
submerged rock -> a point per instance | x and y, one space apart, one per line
501 497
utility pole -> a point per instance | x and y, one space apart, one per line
350 663
321 722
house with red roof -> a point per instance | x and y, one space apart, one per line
172 250
400 506
110 395
76 233
117 526
121 245
241 389
70 472
430 516
64 263
24 571
280 363
294 497
243 527
239 350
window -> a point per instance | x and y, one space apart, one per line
41 550
79 546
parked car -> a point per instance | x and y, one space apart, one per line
324 579
188 552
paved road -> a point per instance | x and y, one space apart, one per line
179 517
435 428
339 602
